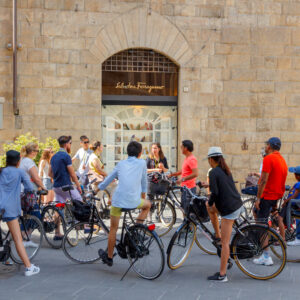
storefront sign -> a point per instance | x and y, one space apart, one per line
139 86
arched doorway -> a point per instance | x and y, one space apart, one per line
139 102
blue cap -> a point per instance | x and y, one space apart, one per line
295 170
274 142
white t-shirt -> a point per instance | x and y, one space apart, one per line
26 164
83 156
45 171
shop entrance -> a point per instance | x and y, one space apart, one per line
139 102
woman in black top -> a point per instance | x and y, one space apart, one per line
224 200
156 162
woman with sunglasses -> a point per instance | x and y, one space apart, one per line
28 153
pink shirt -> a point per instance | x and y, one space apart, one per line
189 163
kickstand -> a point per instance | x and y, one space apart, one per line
128 269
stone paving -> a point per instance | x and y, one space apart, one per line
62 279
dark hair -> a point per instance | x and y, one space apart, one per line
83 137
188 145
12 159
222 164
160 152
62 140
134 149
95 145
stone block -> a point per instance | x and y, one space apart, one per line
66 96
238 61
213 11
291 75
222 48
268 75
38 55
39 96
293 100
211 73
66 30
66 70
238 99
287 87
291 8
30 122
59 123
274 36
47 109
270 62
240 162
282 124
243 74
262 87
240 125
263 125
284 62
44 69
52 4
75 5
59 56
236 112
257 62
217 61
43 42
237 86
56 82
30 81
235 35
272 8
91 96
69 43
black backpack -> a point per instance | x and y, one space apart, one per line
81 211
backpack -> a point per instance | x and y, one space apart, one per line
81 211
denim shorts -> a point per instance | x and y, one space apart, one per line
47 184
8 219
234 215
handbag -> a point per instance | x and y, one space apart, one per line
28 201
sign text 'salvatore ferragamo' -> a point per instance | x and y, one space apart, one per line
139 86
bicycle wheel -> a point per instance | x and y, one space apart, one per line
32 232
181 245
81 243
54 226
145 252
248 205
248 246
203 239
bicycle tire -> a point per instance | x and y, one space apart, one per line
84 249
184 239
204 241
36 236
249 245
50 225
140 256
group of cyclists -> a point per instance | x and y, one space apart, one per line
131 187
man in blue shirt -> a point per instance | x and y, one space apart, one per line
130 193
62 171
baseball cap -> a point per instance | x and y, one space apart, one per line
295 170
274 142
214 151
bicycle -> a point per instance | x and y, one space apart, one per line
32 232
138 243
248 242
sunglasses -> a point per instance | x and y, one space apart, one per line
86 142
35 150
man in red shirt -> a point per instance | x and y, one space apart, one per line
271 187
188 172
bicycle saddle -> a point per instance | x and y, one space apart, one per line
42 192
67 188
128 209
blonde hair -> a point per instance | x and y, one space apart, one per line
28 149
95 145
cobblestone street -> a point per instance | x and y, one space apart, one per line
62 279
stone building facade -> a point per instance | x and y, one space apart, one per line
239 69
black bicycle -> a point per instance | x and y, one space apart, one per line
138 243
247 244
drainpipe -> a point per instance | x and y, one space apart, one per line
15 47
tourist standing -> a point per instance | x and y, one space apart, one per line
44 174
156 161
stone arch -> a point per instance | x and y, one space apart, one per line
138 29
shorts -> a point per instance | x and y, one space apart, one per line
186 199
47 184
234 215
8 219
117 211
265 208
62 197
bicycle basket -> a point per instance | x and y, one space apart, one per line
158 188
199 208
4 252
81 211
28 201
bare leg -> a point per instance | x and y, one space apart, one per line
114 224
14 228
144 212
226 229
213 215
281 226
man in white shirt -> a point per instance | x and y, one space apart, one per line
83 154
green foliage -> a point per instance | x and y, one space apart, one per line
23 140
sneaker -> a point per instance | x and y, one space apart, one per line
295 242
263 261
58 238
218 277
32 270
30 244
105 259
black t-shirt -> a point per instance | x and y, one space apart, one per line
153 163
223 192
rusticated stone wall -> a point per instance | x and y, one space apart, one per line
240 61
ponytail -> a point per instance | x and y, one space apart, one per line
222 164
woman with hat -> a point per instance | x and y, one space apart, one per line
224 200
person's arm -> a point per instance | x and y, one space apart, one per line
74 177
193 175
35 177
175 173
76 156
213 187
26 181
261 186
154 170
164 165
50 172
114 174
42 166
97 166
144 180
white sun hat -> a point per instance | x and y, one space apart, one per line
214 151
